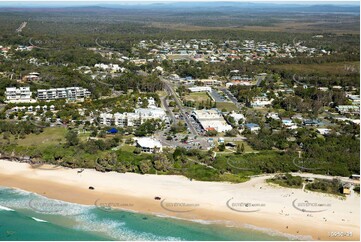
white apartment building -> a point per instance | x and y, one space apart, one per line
127 119
106 118
150 113
18 95
211 119
60 93
109 67
132 119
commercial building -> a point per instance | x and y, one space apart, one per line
151 113
149 145
210 82
200 89
211 119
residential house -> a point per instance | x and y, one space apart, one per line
252 127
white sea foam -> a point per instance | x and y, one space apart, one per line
19 199
115 229
15 191
6 208
39 220
277 233
199 221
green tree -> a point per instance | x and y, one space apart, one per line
72 138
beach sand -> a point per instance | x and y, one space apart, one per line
268 207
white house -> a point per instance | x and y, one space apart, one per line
252 127
261 101
237 116
287 122
324 131
348 109
273 116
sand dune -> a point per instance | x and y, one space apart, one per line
254 203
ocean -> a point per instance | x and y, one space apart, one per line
28 216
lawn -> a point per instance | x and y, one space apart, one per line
197 97
228 106
49 136
127 148
247 147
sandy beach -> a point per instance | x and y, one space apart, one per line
254 204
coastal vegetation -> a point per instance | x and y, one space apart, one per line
326 186
287 180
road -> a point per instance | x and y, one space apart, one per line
298 82
231 97
21 27
169 89
310 175
327 177
217 97
166 107
259 80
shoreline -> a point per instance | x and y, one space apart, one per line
216 202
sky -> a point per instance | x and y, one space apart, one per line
156 1
93 2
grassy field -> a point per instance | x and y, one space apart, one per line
127 148
247 148
228 106
48 137
197 97
292 25
161 93
327 68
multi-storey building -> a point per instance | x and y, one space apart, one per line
60 93
132 119
21 94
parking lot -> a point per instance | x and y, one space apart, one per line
217 97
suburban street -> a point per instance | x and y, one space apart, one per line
166 107
168 87
231 97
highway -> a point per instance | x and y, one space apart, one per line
169 89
